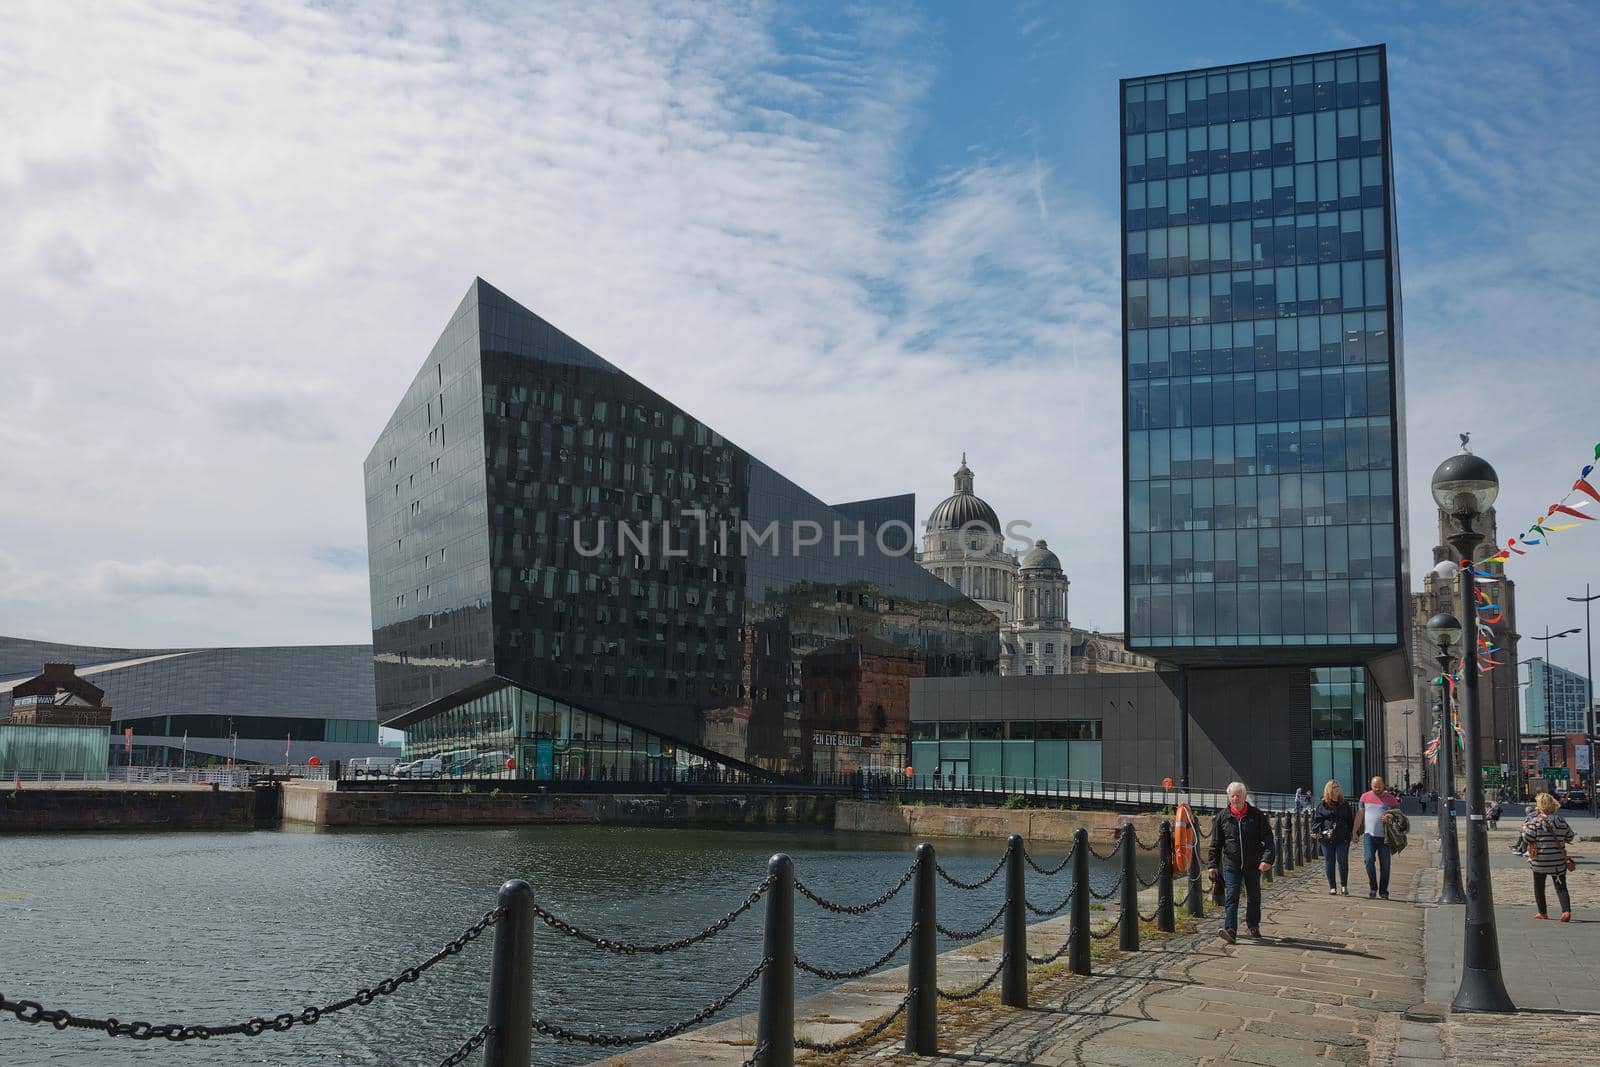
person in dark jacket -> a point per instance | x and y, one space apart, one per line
1546 836
1333 824
1241 848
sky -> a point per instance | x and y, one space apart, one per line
858 240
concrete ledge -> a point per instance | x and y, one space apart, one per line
318 804
181 807
1034 824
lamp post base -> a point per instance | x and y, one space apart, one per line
1482 991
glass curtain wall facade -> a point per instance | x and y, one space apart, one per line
1021 754
1264 456
537 515
1339 729
512 732
1557 700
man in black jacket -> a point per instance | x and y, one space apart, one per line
1241 848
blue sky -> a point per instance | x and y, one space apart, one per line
860 240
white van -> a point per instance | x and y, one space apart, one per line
363 766
430 767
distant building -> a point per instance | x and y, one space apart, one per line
1557 700
856 705
568 566
254 705
59 724
964 546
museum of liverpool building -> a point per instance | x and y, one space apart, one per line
572 572
209 705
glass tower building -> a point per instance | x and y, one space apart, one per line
1557 700
562 557
1264 458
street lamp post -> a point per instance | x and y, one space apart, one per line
1588 672
1407 713
1464 486
1445 629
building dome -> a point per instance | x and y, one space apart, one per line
963 508
1040 558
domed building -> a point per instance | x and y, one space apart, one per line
965 546
1038 637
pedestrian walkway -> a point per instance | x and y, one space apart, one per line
1318 987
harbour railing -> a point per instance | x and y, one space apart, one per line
506 1036
237 776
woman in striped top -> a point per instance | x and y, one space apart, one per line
1546 834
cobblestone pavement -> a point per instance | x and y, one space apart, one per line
1551 970
1330 974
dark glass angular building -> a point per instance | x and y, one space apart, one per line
1265 461
571 569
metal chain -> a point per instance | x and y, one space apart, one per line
1046 912
468 1047
1144 847
972 935
1148 918
1150 884
624 948
1187 893
1056 955
1101 935
859 972
968 994
1108 855
1109 893
860 1039
855 909
755 1057
1051 871
561 1033
30 1011
959 884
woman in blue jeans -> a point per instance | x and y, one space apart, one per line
1333 824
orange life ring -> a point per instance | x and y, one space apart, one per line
1183 838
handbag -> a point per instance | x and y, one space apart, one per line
1217 895
1571 864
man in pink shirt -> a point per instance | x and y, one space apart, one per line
1370 809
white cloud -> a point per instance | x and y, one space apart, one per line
257 223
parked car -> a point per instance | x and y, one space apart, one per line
1575 798
430 767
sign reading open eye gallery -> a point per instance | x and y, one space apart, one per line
842 753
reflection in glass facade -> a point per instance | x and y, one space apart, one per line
1021 754
535 514
1339 728
501 728
1262 358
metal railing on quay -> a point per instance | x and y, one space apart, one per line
238 775
506 1035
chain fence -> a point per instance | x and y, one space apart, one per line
860 1039
1045 913
855 909
30 1011
601 1040
974 991
625 948
979 884
1050 872
859 972
973 935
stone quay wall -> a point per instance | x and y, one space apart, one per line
1039 824
318 804
31 810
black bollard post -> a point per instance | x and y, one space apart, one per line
1197 896
1275 824
510 1039
1166 917
1299 840
1278 843
1078 943
775 1020
1288 841
1014 979
922 982
1128 935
